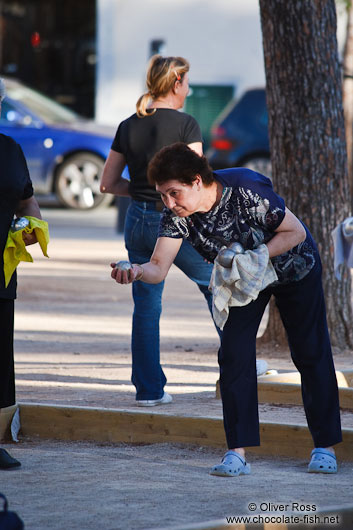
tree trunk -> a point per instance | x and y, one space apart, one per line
348 93
307 136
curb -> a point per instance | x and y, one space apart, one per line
111 425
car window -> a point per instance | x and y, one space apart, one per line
45 108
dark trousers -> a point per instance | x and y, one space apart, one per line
7 372
302 308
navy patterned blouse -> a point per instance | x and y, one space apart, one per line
249 212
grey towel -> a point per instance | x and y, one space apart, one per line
240 284
342 237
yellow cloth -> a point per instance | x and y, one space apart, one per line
15 248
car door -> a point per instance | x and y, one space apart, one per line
35 139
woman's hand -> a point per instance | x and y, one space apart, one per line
29 207
126 275
29 239
155 270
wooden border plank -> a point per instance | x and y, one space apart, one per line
110 425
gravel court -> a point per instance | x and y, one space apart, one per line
123 487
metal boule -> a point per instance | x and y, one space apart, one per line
225 257
123 265
348 226
19 223
237 248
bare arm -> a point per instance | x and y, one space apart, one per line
197 147
289 234
157 268
112 181
29 207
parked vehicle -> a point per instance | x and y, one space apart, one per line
239 136
65 152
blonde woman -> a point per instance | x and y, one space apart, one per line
156 123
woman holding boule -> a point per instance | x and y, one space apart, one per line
238 205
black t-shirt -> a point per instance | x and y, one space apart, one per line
15 185
139 139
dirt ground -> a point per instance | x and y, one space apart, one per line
80 486
72 344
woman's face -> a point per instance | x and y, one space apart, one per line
182 199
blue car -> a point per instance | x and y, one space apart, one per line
65 153
239 137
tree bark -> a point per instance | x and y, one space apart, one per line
348 93
307 135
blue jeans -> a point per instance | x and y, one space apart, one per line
141 230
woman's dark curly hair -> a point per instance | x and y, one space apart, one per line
178 162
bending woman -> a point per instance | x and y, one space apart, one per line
156 123
211 209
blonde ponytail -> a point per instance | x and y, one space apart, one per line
142 106
162 73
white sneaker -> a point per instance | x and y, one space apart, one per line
165 399
261 367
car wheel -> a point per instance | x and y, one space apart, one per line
261 164
77 182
